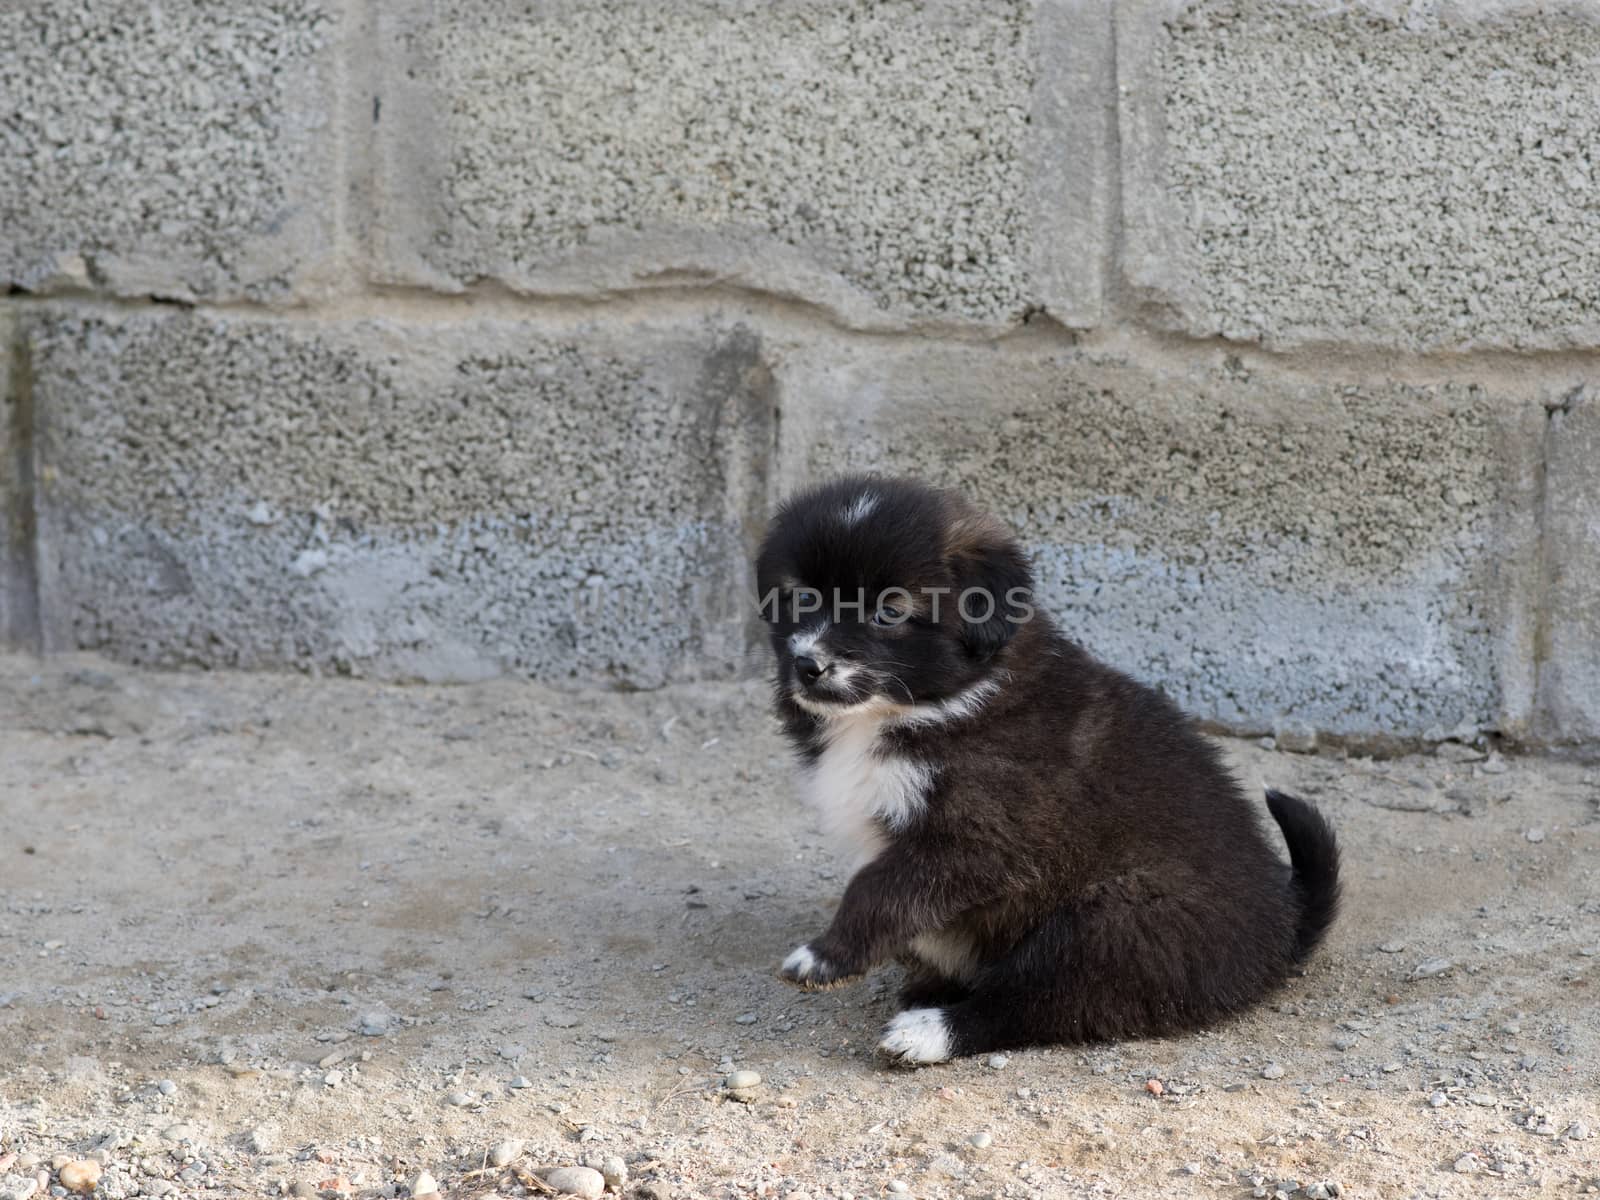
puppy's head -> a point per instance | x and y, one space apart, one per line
887 592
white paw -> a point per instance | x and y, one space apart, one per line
918 1035
801 963
808 969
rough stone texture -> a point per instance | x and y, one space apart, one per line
874 157
1569 643
547 476
1262 546
1409 175
180 150
436 501
1072 131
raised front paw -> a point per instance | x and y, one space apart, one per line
811 969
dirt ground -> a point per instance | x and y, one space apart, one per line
264 934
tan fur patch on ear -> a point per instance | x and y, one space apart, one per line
973 531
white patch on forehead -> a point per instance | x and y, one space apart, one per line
857 789
860 508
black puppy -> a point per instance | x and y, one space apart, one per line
1049 845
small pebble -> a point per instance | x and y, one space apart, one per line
506 1152
1438 1100
166 1087
1534 835
1430 967
332 1079
1154 1087
577 1181
459 1099
1343 1041
997 1062
1466 1164
80 1176
560 1020
1272 1071
899 1186
423 1184
982 1140
738 1081
745 1019
1577 1132
1393 947
520 1082
1191 1168
615 1172
375 1024
1494 766
1295 737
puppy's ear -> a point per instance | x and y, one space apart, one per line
993 582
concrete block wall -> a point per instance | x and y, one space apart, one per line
1415 176
441 340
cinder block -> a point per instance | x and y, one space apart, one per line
1569 642
1263 546
178 150
401 500
882 158
1415 176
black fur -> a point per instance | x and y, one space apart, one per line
1314 857
1106 875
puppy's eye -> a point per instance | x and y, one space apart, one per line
887 615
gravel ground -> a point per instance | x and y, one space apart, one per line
265 934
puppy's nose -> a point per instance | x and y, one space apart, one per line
808 668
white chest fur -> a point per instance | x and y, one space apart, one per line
859 789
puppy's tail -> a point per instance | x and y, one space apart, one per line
1314 859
